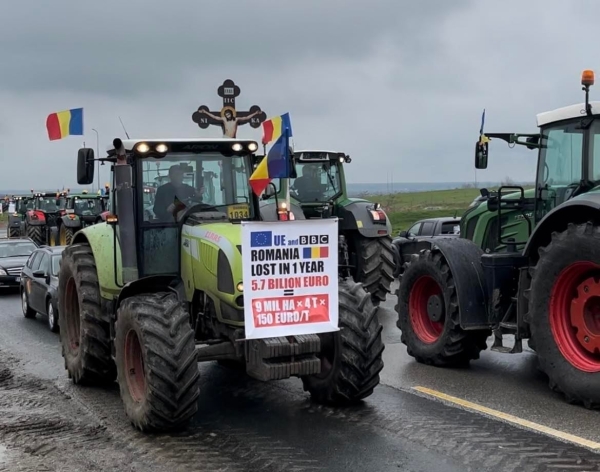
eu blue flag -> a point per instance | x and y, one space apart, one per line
261 238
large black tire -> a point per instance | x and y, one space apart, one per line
85 329
65 235
13 232
351 358
36 234
427 285
374 265
156 362
568 266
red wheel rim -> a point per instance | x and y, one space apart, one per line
71 315
134 366
575 315
421 292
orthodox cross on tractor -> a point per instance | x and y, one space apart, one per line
228 118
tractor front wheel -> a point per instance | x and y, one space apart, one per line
565 313
351 359
65 235
374 265
36 234
156 362
85 329
428 314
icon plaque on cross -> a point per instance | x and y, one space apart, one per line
228 118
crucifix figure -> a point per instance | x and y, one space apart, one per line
229 119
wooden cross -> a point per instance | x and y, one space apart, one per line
229 119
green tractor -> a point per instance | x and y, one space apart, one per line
16 219
143 298
545 287
41 222
319 191
82 210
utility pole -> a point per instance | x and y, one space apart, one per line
97 157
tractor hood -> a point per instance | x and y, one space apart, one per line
225 236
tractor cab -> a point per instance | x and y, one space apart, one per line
568 148
197 181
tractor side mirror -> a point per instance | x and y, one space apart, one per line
481 155
85 166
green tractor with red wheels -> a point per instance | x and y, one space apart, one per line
320 191
144 296
544 287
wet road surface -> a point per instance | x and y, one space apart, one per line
46 423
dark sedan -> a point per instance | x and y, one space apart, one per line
13 256
39 284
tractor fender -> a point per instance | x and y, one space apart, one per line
70 222
464 259
578 210
35 218
268 211
356 216
153 284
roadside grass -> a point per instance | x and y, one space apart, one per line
404 209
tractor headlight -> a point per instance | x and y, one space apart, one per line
162 148
252 147
2 271
237 147
240 287
142 148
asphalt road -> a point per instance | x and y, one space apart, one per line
46 423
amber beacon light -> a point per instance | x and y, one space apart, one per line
587 77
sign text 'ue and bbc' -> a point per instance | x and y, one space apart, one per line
275 255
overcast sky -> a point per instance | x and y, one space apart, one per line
399 85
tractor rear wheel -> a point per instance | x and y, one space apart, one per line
429 316
36 234
565 313
156 362
374 258
85 329
13 232
65 235
351 359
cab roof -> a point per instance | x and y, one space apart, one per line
565 113
129 144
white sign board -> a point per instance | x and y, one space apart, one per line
12 207
290 277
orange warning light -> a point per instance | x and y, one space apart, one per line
587 77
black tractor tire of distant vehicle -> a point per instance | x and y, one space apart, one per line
374 260
65 235
429 317
85 329
156 362
351 358
36 234
13 232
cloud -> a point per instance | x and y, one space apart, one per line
398 85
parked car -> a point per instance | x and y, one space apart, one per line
39 284
13 255
405 243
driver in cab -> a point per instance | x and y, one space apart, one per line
170 196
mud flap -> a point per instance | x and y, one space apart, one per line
284 357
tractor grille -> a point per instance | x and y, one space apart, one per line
14 271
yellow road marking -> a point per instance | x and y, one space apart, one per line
511 419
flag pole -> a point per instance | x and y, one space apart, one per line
288 171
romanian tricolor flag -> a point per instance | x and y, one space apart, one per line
275 127
65 123
276 165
